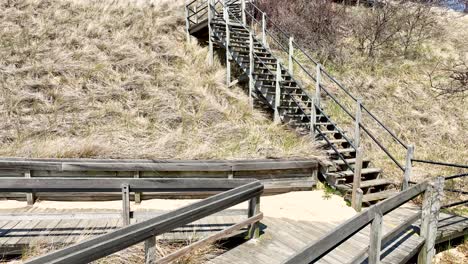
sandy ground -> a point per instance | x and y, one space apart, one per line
305 206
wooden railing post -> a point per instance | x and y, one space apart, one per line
29 196
313 118
291 54
375 238
244 19
150 250
136 175
187 22
254 209
125 204
264 30
356 203
317 84
408 167
228 61
357 128
195 13
277 93
429 219
210 33
251 68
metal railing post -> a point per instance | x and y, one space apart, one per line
277 93
291 54
356 201
254 209
210 33
251 68
264 29
244 19
357 128
125 204
317 85
408 167
429 219
228 61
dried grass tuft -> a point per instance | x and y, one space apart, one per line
117 79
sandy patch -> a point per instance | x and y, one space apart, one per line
305 206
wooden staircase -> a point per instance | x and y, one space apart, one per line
295 106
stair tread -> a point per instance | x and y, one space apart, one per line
348 173
345 150
368 183
370 197
350 161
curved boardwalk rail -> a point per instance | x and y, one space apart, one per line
277 175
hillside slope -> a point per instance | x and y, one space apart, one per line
117 79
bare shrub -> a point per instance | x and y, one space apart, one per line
396 28
450 79
314 24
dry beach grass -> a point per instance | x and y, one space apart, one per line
117 79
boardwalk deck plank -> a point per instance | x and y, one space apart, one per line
281 237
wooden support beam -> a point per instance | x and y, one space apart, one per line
29 196
277 119
375 243
125 204
254 209
317 83
150 250
408 167
429 219
355 203
136 175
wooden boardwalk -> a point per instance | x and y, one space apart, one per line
281 237
25 227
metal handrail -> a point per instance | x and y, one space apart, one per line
322 87
441 163
333 80
315 127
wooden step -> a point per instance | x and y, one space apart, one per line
340 162
334 141
341 151
365 184
349 173
371 197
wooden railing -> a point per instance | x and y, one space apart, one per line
429 217
234 191
277 175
